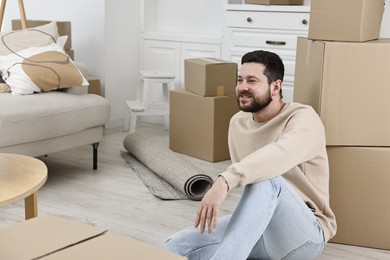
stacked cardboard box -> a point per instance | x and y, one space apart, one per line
200 114
94 85
345 77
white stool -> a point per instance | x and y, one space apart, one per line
142 106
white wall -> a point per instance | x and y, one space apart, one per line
385 29
105 35
122 55
185 16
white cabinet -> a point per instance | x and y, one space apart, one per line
172 31
161 56
167 52
272 28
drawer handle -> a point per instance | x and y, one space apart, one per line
304 21
275 42
249 20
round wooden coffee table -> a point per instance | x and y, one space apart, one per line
20 178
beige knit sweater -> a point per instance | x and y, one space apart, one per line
292 144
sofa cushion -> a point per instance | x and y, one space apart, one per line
30 118
32 60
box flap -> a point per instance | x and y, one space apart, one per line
113 246
40 236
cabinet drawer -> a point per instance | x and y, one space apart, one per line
268 20
262 39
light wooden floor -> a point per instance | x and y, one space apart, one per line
114 198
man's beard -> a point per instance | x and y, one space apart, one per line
257 104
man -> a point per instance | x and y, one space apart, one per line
279 155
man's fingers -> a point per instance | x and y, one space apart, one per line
201 216
203 220
209 206
197 218
215 217
206 216
210 219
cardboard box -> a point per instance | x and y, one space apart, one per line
94 85
199 125
113 246
70 53
64 28
210 77
345 20
274 2
55 238
40 236
347 83
359 195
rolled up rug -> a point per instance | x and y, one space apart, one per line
167 175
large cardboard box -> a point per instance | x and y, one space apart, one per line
348 84
210 77
64 28
274 2
199 125
52 238
345 20
359 195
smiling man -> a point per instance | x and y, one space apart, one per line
279 155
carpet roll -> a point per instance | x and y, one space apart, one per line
166 174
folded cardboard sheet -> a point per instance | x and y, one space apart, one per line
40 236
51 238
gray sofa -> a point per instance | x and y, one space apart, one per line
54 121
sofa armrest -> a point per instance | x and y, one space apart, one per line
79 89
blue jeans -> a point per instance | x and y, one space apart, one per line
271 221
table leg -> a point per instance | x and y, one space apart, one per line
31 206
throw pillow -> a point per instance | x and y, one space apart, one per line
32 61
4 88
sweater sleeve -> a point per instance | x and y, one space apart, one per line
301 140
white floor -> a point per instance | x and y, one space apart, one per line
114 198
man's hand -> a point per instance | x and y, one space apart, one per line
210 204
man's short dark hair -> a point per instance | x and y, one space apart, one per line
274 68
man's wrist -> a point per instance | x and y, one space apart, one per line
225 181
